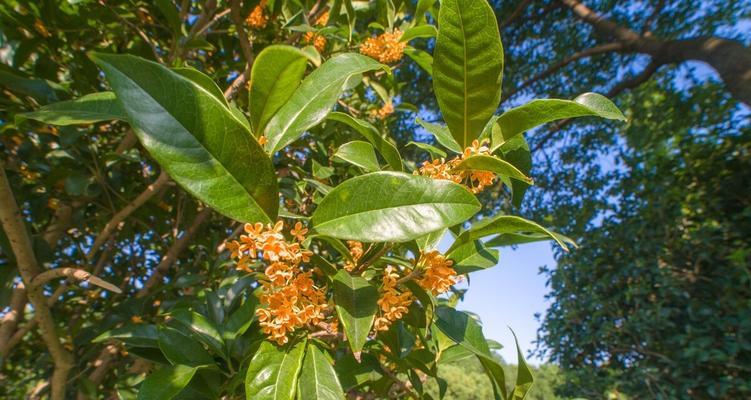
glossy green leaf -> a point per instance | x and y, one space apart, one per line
360 154
481 162
466 332
504 224
371 134
516 152
95 107
467 67
431 240
166 382
524 377
202 80
422 58
538 112
312 101
420 31
273 370
510 239
441 134
355 300
197 140
318 379
392 207
201 326
276 74
435 152
182 349
472 256
140 335
241 319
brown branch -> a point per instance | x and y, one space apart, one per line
129 140
246 46
15 229
515 14
174 252
11 319
121 215
605 48
73 273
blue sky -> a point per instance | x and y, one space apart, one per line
509 295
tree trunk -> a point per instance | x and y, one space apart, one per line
730 58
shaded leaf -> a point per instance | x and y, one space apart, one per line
318 379
371 134
88 109
166 382
504 224
360 154
472 256
182 349
355 300
441 134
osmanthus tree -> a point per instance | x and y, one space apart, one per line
166 238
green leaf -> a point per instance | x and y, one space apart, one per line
422 7
466 332
318 379
273 371
200 143
516 151
360 154
481 162
170 12
502 224
431 240
467 66
524 377
538 112
202 80
140 335
442 135
510 239
435 152
422 58
201 326
355 300
241 319
276 74
166 382
91 108
182 349
421 31
392 207
312 101
472 256
371 134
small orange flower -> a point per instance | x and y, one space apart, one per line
356 251
475 180
386 48
383 112
257 19
392 303
438 275
262 140
299 232
323 20
318 41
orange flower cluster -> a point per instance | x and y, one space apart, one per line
318 41
438 275
356 250
393 304
384 111
290 296
442 169
386 47
257 19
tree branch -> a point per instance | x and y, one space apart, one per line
73 273
28 268
515 14
120 216
605 48
11 319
